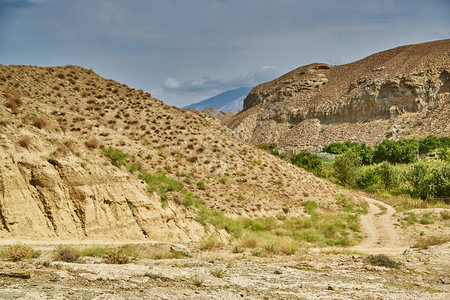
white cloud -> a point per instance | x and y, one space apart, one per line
208 83
171 83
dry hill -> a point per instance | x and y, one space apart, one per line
56 182
398 93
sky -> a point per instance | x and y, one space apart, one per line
184 51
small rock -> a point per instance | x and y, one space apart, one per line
278 272
330 288
181 248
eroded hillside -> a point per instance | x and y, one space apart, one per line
398 93
55 181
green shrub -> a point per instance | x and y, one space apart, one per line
401 151
336 148
116 156
389 177
309 206
201 185
309 161
346 168
410 218
161 184
364 152
429 143
96 251
369 177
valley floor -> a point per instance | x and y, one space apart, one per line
220 274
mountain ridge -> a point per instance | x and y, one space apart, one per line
231 100
382 95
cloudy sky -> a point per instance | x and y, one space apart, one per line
183 51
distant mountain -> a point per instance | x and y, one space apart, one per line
232 100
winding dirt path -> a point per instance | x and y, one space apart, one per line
382 236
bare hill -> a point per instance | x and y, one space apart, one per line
402 92
55 182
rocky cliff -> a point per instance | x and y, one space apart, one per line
401 92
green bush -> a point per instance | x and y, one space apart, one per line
117 156
161 184
336 148
368 178
389 177
364 152
429 143
402 151
429 181
309 161
346 168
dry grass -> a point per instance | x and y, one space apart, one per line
25 142
425 242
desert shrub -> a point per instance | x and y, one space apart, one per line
382 261
19 252
445 215
197 280
116 257
25 142
39 122
425 242
93 143
346 168
218 272
67 254
209 242
309 161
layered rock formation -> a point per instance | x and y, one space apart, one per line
401 92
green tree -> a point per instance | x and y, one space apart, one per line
346 168
335 148
402 151
309 161
364 152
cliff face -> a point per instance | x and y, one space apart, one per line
391 91
46 195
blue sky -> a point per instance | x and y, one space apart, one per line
183 51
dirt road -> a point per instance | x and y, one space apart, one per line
381 233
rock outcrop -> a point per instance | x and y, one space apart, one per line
401 92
